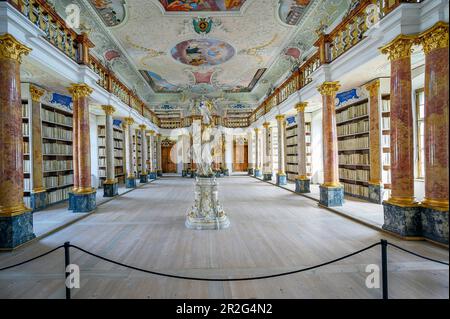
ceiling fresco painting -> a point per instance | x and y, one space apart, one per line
291 11
202 5
202 52
159 84
112 12
250 86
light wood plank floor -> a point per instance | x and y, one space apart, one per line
272 230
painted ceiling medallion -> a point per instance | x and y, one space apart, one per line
203 52
202 5
291 11
202 25
112 12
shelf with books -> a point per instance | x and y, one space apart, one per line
386 142
353 133
26 152
137 153
292 150
118 153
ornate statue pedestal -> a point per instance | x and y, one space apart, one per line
207 213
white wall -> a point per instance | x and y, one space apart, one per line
316 147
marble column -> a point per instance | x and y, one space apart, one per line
226 144
144 173
38 195
331 191
136 149
302 182
83 198
376 150
401 211
153 174
159 155
16 220
110 186
435 204
258 171
251 163
130 180
281 174
267 158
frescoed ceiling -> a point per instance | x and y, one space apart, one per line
174 52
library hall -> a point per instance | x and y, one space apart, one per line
224 149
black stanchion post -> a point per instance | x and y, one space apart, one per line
67 263
384 270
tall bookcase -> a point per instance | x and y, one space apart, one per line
137 152
353 148
57 152
292 150
26 151
118 154
386 142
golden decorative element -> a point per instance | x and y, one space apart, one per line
256 130
302 178
436 204
281 173
329 88
128 120
131 176
14 210
376 182
151 132
300 107
84 190
38 190
110 181
143 127
79 90
280 117
266 124
36 93
402 201
434 38
332 185
373 87
109 109
158 135
10 48
400 47
257 51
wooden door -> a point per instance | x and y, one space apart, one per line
168 166
240 155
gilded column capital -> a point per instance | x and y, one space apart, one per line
300 107
10 48
109 109
256 130
280 117
128 120
400 47
434 38
373 87
36 93
151 132
329 88
78 90
143 127
266 125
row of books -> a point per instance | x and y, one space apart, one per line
25 129
57 149
353 128
118 144
294 158
385 105
294 149
386 176
25 112
386 140
58 195
26 166
386 158
294 168
102 152
354 159
293 132
386 123
361 175
55 117
354 144
57 165
352 112
117 162
57 181
56 133
26 147
358 190
117 171
26 184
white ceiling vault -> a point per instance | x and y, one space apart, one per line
175 52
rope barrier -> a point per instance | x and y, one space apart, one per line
417 255
226 279
31 259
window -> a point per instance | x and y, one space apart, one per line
420 130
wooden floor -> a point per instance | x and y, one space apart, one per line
272 230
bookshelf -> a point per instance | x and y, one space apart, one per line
292 149
26 152
386 139
57 152
352 123
137 153
118 144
